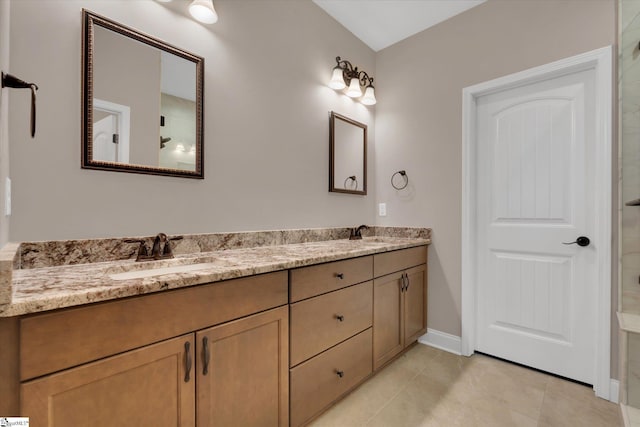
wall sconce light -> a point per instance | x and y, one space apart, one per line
203 11
344 72
180 147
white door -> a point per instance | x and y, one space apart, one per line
104 148
110 118
536 297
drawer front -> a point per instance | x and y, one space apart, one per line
53 341
315 384
307 282
390 262
324 321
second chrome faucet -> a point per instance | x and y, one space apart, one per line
161 248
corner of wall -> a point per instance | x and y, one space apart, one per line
5 6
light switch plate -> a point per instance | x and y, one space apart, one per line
382 209
7 197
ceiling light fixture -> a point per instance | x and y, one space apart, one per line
344 72
203 11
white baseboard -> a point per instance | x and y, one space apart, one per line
630 415
442 341
614 391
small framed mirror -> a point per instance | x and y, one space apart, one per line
142 102
348 155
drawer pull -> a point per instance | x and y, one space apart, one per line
205 356
340 373
340 317
188 361
340 276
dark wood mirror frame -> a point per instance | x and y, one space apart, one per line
333 183
90 20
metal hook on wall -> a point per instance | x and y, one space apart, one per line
11 81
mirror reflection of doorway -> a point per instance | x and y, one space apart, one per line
110 131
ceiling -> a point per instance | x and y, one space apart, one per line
381 23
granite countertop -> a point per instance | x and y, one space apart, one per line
52 287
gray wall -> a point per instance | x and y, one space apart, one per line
5 7
266 124
419 114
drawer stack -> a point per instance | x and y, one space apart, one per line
331 338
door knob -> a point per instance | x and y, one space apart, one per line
580 241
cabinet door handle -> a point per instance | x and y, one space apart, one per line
188 361
406 288
340 373
340 317
340 276
402 283
205 356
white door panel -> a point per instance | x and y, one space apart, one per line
536 296
104 149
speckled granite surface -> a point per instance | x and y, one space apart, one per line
70 252
44 288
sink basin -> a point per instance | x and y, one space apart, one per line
152 272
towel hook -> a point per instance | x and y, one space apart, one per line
11 81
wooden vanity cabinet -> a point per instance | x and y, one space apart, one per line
150 386
163 383
275 349
399 302
243 372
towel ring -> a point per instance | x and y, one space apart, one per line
406 180
352 178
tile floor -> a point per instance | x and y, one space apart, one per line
430 387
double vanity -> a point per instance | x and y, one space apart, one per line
238 329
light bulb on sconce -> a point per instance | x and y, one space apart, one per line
369 97
337 79
180 147
354 88
203 11
345 71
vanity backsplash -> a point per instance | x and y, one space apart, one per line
69 252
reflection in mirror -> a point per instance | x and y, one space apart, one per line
348 162
142 102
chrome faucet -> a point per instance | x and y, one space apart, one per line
356 233
161 248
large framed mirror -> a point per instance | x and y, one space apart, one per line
348 155
142 102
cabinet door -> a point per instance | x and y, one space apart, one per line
388 321
242 372
144 387
415 304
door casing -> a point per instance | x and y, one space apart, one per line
599 60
